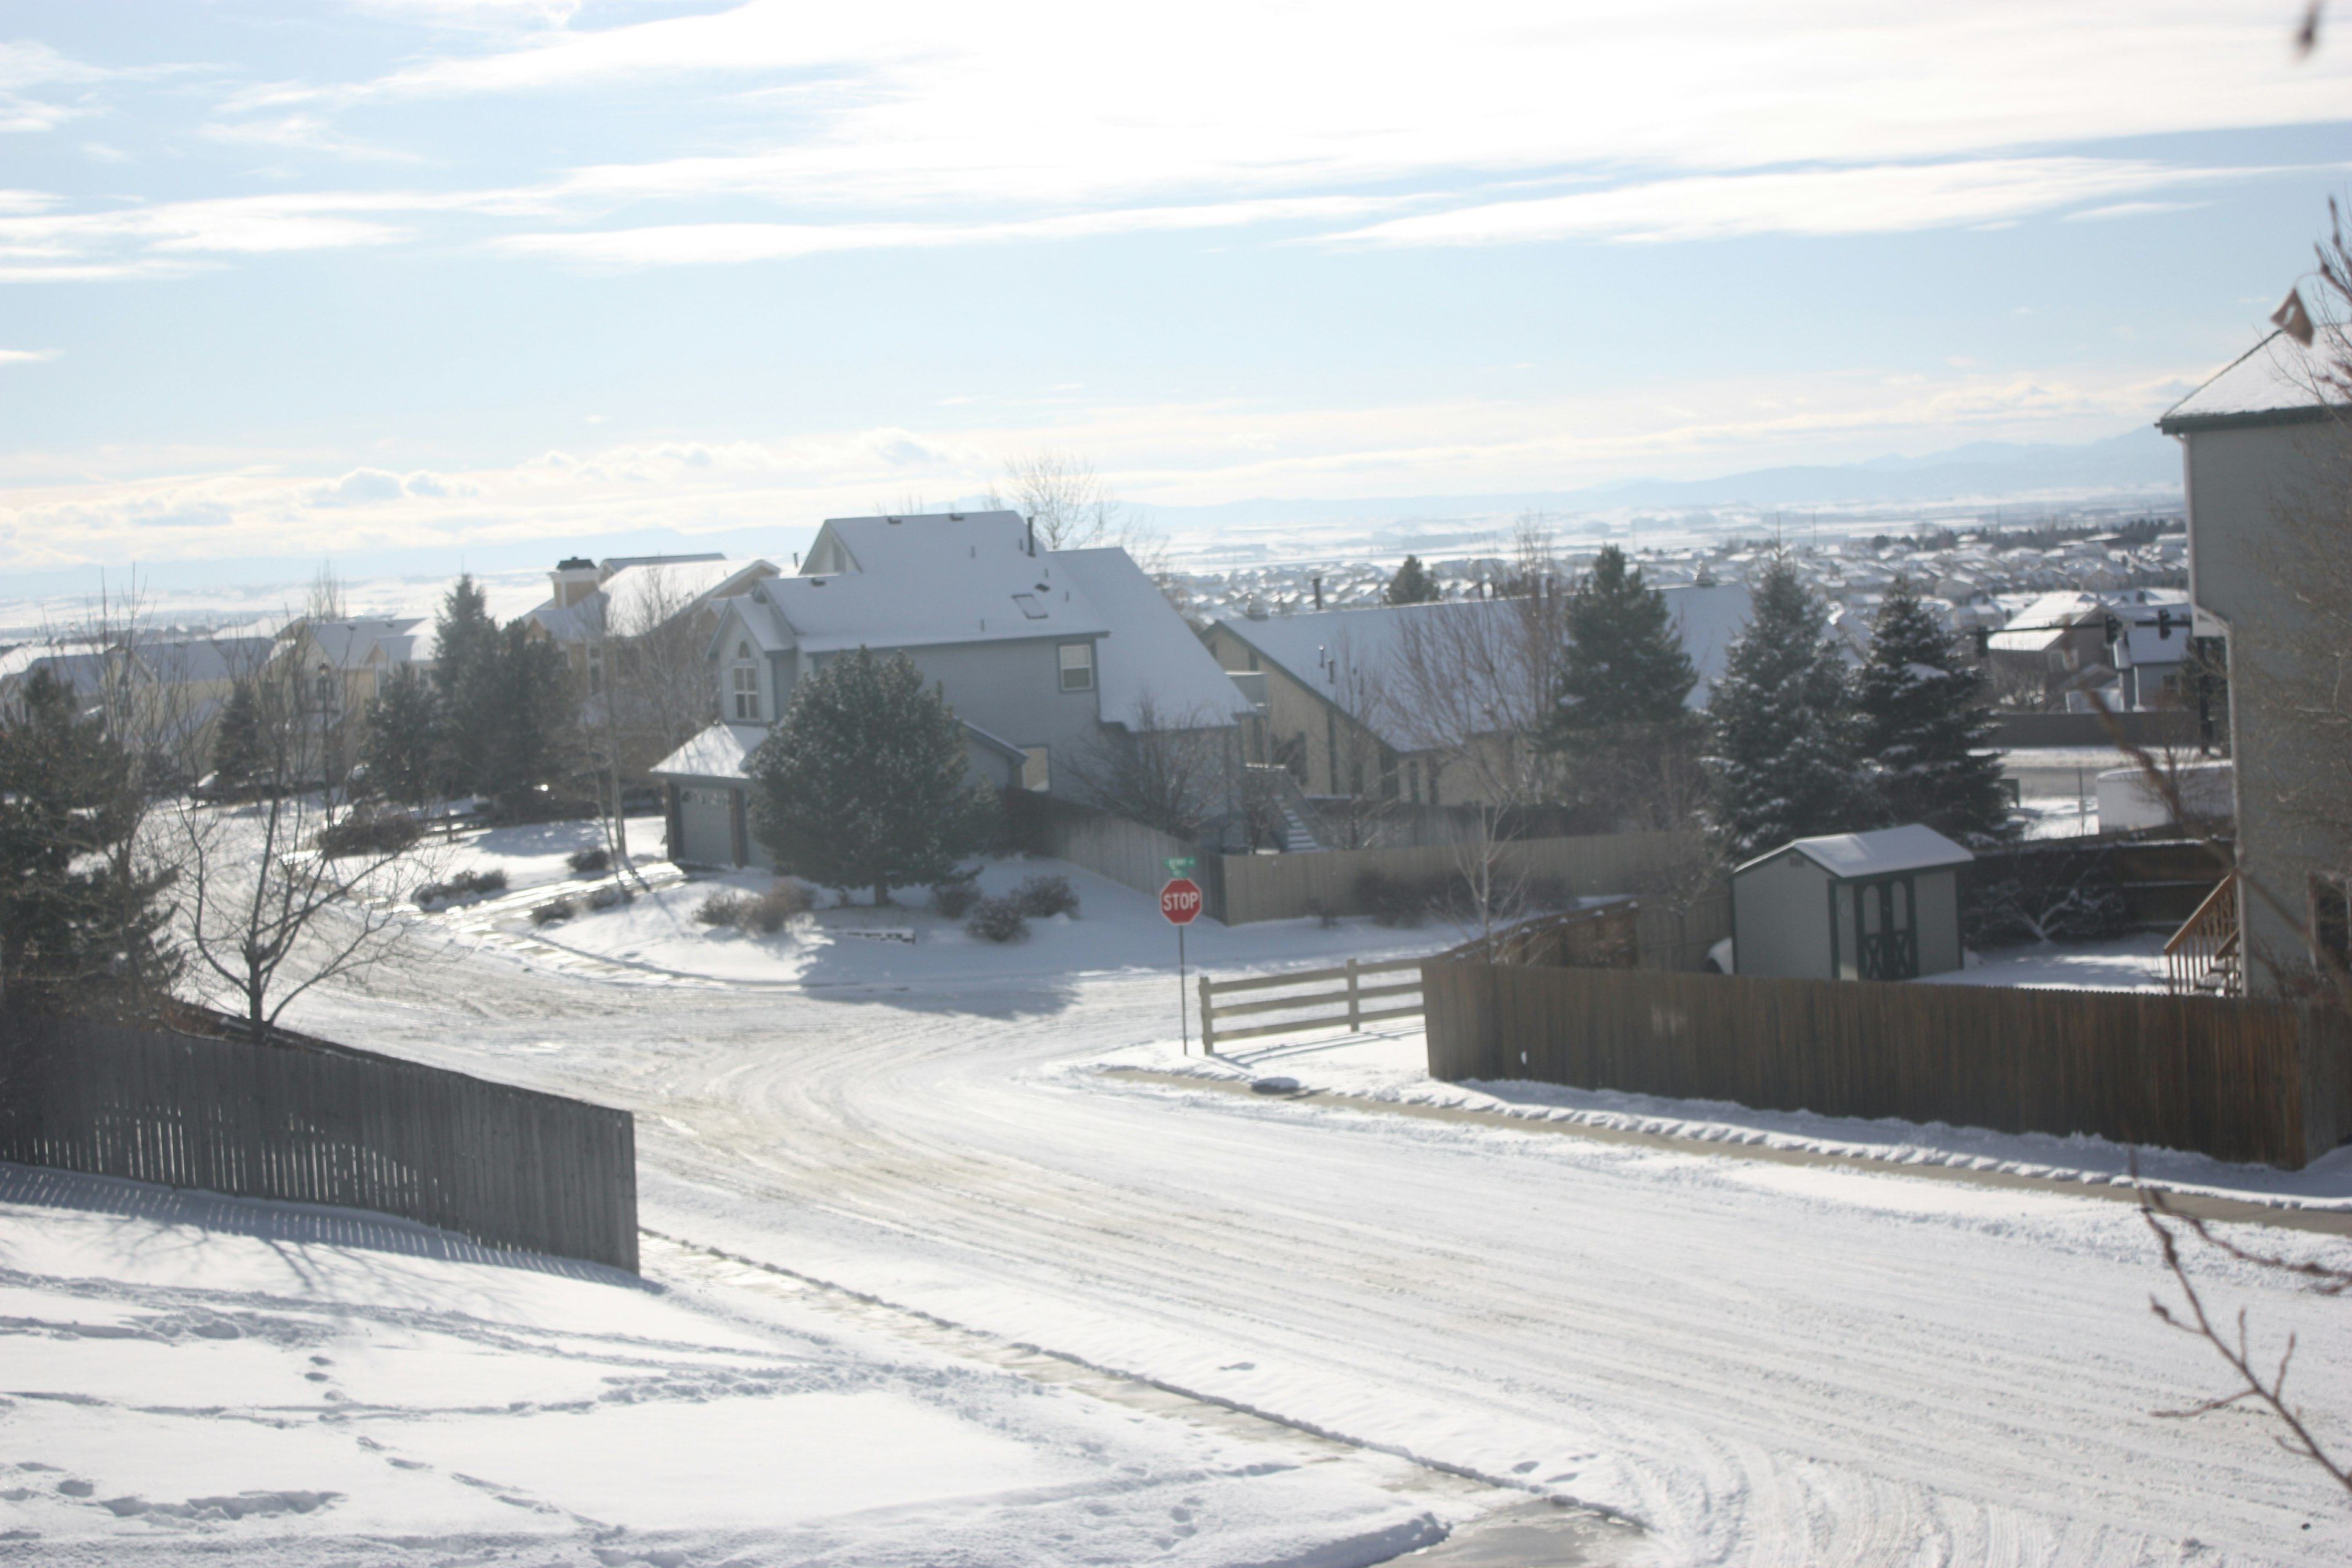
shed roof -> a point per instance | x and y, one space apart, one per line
718 752
2276 381
1885 852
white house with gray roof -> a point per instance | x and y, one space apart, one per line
1047 657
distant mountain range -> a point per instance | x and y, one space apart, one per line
2141 467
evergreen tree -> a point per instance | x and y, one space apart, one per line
530 705
1629 747
241 753
403 748
1925 727
1782 754
466 672
1624 662
1413 584
81 915
862 784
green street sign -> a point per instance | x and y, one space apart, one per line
1178 864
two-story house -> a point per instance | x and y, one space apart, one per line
1048 656
2267 455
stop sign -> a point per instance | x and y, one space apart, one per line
1180 900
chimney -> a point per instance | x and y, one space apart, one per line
1032 536
574 579
1318 581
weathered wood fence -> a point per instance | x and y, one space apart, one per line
1325 1009
2237 1080
308 1124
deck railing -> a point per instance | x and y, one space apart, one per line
2204 955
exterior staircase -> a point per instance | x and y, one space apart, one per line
2204 957
1290 802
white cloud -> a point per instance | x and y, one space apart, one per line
26 356
681 244
302 132
1878 200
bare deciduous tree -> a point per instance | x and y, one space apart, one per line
285 891
1172 769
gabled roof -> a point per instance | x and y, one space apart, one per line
1885 852
1352 656
350 644
2276 381
915 581
2046 619
718 752
634 590
1150 666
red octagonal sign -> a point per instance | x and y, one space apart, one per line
1180 900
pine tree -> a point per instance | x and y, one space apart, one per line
1413 584
403 747
1629 746
1624 662
1925 727
465 672
862 784
1782 753
82 916
240 755
529 701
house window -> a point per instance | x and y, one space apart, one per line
1037 768
746 684
1078 665
1412 781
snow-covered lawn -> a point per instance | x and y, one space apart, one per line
1115 929
187 1374
2133 962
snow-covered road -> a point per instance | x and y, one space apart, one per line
1762 1364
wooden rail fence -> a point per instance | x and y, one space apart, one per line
1328 1009
306 1123
2237 1080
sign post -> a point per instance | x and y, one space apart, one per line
1180 901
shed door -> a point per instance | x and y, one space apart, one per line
707 825
1887 925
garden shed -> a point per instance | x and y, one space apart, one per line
1850 906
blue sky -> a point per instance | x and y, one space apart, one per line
330 277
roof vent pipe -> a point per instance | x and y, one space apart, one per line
1319 590
1032 536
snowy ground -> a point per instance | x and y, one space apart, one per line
190 1376
2133 962
1761 1363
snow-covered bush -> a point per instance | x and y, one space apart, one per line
1042 897
997 920
552 911
722 910
375 831
604 898
954 899
464 885
767 913
590 862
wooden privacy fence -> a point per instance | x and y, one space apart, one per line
508 1167
2236 1079
1284 886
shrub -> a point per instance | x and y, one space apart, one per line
464 885
590 862
550 912
954 899
606 897
722 910
1389 901
368 833
1325 916
997 920
767 914
1042 896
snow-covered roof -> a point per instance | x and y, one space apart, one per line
636 593
718 752
1151 659
913 582
1915 847
349 645
1353 656
2045 619
2276 381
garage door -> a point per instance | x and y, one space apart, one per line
706 823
